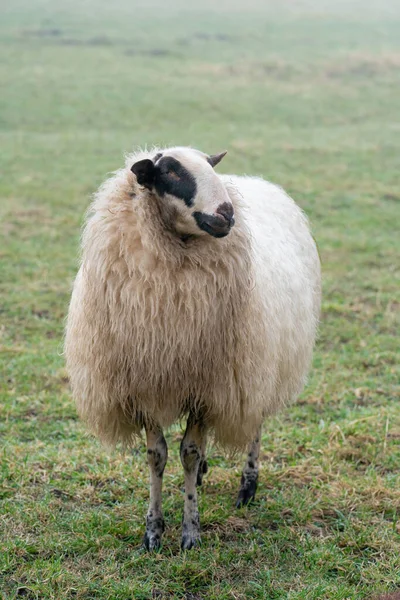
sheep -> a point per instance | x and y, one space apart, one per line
198 296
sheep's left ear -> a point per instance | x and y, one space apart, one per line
145 172
216 158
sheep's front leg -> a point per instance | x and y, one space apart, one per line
248 484
203 465
192 447
157 454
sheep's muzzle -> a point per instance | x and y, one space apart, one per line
219 224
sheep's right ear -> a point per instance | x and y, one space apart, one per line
145 172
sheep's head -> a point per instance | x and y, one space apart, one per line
185 184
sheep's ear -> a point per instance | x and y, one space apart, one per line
145 172
216 158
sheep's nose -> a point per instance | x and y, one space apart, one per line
226 211
220 223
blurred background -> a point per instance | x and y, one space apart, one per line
303 93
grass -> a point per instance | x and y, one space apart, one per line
306 95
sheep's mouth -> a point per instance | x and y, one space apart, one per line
216 225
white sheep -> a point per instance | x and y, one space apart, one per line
198 295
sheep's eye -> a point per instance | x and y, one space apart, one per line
173 175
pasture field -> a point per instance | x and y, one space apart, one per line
304 93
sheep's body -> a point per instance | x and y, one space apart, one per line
158 327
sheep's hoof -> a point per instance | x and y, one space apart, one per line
191 532
202 470
247 492
153 534
151 541
190 541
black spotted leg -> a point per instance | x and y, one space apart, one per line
192 448
157 454
203 465
248 484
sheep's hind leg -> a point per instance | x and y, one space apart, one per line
157 454
248 484
192 447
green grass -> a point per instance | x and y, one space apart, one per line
306 94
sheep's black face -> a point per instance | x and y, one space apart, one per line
185 179
171 177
